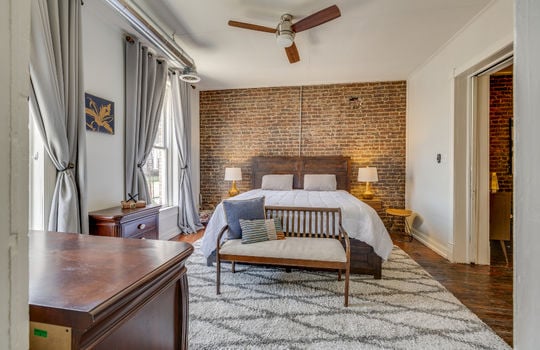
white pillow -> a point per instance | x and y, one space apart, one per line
277 182
320 182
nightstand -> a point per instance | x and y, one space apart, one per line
375 203
126 223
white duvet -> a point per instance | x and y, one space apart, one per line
359 219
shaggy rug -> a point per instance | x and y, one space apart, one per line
267 308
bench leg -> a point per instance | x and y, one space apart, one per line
339 275
347 286
218 273
233 270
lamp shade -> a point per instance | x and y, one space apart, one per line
233 174
367 174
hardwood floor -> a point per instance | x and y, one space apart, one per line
189 238
485 290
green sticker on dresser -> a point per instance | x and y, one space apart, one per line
40 333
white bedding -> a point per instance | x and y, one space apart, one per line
359 219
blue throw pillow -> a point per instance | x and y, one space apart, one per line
248 209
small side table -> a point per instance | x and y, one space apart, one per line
401 213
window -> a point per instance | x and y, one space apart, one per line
42 178
158 167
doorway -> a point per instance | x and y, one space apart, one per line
501 145
471 183
491 161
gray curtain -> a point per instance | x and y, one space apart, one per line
57 101
188 217
146 78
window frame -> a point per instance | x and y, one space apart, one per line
168 147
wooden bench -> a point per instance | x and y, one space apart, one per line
314 239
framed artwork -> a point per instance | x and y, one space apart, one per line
99 114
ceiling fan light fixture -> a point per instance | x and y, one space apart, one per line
285 39
190 75
284 32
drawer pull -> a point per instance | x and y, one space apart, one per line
141 226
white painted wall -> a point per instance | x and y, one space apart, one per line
429 186
103 59
103 51
526 180
14 79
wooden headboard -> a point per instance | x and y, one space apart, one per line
299 166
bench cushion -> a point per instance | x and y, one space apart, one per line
322 249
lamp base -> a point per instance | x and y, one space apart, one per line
233 191
367 195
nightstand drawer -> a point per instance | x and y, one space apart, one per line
139 226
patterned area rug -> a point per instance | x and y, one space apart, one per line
267 308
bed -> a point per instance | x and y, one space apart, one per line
370 242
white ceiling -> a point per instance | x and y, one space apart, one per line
373 40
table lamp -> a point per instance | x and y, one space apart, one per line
367 175
233 174
494 183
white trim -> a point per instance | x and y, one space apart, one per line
428 241
168 223
490 51
14 174
165 236
450 250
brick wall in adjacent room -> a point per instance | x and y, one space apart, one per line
365 121
501 115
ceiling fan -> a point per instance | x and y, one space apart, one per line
286 30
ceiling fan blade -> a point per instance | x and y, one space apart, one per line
252 27
292 53
317 18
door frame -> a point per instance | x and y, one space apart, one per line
480 162
469 187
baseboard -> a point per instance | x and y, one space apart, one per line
431 243
165 236
450 252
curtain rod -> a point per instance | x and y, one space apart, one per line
152 32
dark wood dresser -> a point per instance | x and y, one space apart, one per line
89 292
126 223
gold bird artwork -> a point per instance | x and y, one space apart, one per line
101 116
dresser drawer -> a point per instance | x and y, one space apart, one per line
139 226
127 223
144 235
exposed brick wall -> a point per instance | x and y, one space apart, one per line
239 124
501 113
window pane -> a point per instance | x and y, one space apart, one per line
160 137
157 167
155 170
